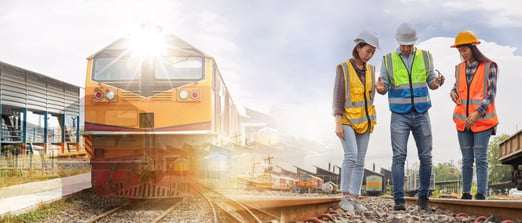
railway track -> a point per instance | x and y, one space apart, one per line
207 207
229 210
214 207
139 211
500 209
104 214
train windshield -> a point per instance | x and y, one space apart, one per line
264 178
178 68
305 178
129 68
111 69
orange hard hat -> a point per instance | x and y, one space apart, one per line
465 37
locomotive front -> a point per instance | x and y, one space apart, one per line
148 117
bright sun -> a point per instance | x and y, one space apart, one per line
147 41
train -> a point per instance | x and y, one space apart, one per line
302 184
412 183
510 153
158 117
271 181
309 184
373 185
287 181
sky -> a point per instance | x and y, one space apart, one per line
281 55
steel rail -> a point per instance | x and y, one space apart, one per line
167 212
500 209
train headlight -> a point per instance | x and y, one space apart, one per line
183 94
110 95
98 95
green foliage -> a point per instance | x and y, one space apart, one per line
43 212
497 171
9 177
436 192
446 171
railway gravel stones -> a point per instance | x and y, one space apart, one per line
380 210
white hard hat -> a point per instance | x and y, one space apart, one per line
367 37
406 34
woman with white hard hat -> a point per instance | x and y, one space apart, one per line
474 114
355 115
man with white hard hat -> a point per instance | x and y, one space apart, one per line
406 75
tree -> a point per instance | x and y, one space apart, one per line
446 171
497 171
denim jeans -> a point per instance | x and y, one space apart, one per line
474 148
419 125
355 146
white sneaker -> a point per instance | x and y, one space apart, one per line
346 203
358 207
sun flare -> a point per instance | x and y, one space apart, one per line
147 41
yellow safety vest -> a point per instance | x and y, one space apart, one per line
359 110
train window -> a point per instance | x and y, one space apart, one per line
179 68
116 69
305 178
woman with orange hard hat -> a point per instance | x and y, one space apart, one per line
474 114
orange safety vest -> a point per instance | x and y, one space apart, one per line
471 96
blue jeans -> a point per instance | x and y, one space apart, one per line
474 148
419 125
355 146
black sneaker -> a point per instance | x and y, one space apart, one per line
466 196
479 196
423 203
399 205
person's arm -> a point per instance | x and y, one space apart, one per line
339 99
454 94
339 96
383 81
492 91
434 79
339 129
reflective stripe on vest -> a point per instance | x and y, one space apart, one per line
471 96
408 89
359 109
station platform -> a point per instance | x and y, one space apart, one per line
22 198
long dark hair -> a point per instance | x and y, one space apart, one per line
477 55
355 54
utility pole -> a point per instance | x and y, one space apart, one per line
269 160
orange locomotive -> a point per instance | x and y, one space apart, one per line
270 181
309 184
156 109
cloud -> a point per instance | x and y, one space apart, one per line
279 55
501 13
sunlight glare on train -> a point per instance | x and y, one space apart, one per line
147 41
